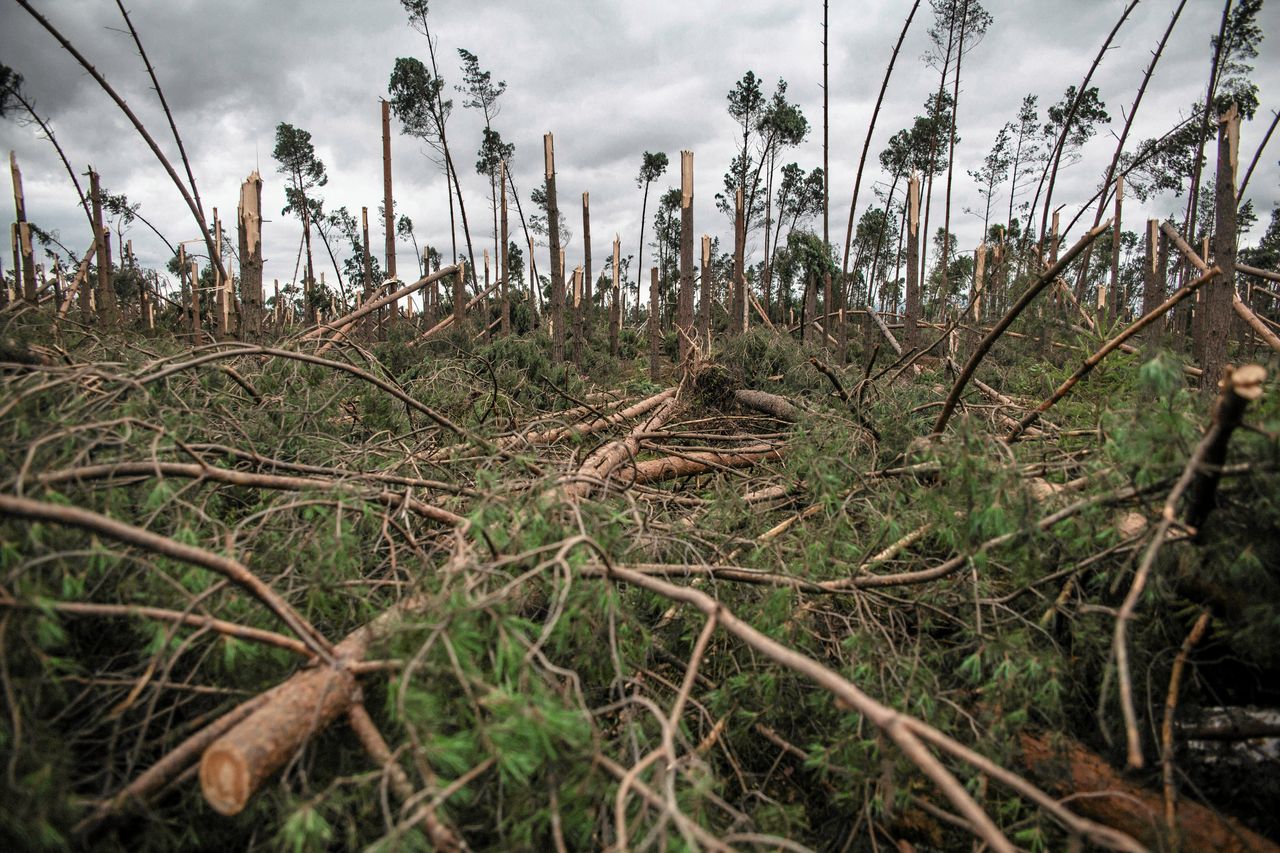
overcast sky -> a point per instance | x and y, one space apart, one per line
611 79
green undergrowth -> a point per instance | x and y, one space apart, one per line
522 666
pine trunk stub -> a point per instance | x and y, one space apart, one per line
1154 272
910 333
655 324
504 269
704 304
24 273
685 304
738 320
460 295
615 304
1217 297
249 231
587 308
557 267
105 292
389 214
579 314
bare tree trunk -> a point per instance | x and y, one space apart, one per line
249 229
951 151
24 272
615 304
505 269
219 286
388 203
1116 233
1216 303
588 310
738 321
459 297
195 300
655 322
579 315
308 281
1154 276
685 304
106 293
704 305
910 334
557 265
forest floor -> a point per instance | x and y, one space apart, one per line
449 594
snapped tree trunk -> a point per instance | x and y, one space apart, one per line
249 230
685 321
1217 298
557 264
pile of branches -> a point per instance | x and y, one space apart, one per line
256 595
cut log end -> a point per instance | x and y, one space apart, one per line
225 779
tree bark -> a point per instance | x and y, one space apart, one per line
655 324
388 204
1217 299
738 322
249 230
685 305
557 264
505 260
107 311
704 305
911 312
588 308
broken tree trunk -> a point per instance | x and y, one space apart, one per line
1216 301
106 293
1154 276
249 229
24 274
911 317
704 304
557 265
655 324
587 310
504 268
388 203
615 304
738 319
684 310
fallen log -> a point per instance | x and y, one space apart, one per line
1255 322
597 469
770 404
234 766
1102 794
687 464
338 328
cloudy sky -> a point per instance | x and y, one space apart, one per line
611 79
